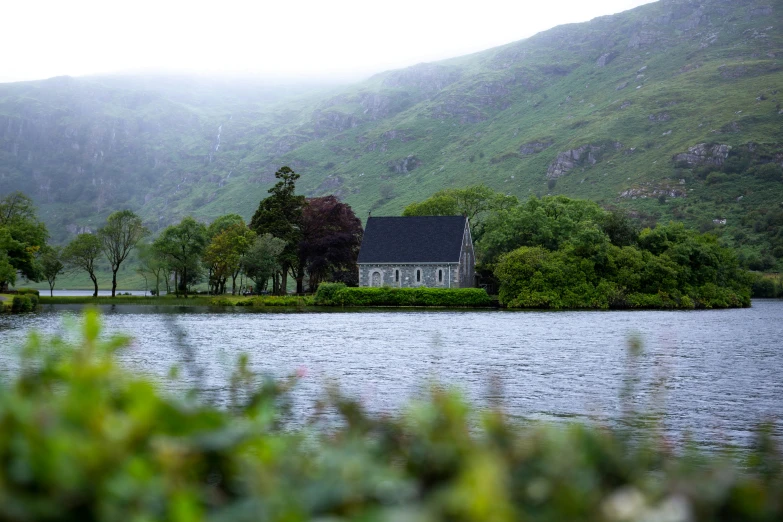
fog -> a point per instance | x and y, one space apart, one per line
339 41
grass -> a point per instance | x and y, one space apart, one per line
130 300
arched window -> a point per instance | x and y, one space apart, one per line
376 279
418 275
440 275
396 276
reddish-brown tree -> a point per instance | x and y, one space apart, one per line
331 236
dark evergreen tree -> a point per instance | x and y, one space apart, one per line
280 215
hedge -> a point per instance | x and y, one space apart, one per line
337 294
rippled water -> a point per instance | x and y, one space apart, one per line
712 375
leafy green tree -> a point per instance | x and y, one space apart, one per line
182 247
280 215
21 236
119 236
224 222
224 254
438 204
474 202
7 270
260 262
548 222
620 227
152 265
50 259
82 254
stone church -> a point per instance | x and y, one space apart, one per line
405 252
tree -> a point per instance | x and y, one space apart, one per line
331 236
51 265
224 254
473 202
151 264
122 231
261 260
21 236
280 215
182 246
81 254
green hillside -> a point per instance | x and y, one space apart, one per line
671 109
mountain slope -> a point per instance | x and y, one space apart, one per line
668 109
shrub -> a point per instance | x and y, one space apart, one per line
27 291
387 296
325 295
22 303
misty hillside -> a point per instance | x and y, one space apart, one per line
671 110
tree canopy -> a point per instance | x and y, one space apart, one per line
22 235
475 202
182 246
82 253
280 215
331 237
122 231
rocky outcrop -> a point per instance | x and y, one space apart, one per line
404 165
568 160
534 147
605 59
703 154
651 190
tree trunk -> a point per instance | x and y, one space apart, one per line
176 284
185 281
283 282
95 284
114 281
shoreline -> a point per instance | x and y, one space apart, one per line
299 303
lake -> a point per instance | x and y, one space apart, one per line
711 375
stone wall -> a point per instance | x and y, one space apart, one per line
407 275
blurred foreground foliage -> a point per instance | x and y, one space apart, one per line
82 439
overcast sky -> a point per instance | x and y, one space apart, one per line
346 39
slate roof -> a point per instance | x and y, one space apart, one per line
420 239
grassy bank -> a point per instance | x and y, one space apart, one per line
129 300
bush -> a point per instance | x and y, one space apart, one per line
325 295
22 303
387 296
27 291
81 439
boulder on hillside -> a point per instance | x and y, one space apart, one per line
404 165
534 147
703 154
